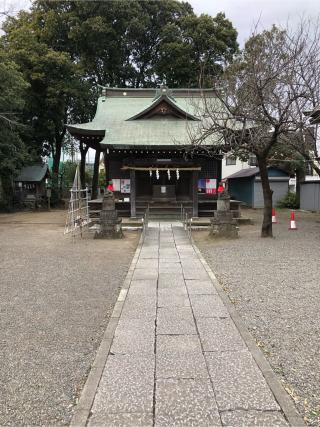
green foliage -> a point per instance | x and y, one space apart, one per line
55 85
102 178
195 49
59 51
290 201
12 149
68 171
139 43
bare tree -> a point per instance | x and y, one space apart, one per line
308 145
260 101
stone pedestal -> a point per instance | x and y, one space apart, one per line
223 224
110 224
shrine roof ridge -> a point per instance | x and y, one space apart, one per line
128 117
151 92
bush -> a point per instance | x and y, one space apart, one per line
289 201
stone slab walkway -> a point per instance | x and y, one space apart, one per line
177 357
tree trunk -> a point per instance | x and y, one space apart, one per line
95 178
266 230
7 190
56 151
300 177
83 153
56 159
55 197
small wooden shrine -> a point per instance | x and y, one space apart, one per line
144 134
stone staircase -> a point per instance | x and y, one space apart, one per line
157 210
166 210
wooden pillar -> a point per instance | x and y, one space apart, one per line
133 193
106 168
195 175
95 177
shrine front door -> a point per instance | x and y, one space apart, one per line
164 193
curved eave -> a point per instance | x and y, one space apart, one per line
157 102
154 148
80 131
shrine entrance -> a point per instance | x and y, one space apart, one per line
163 186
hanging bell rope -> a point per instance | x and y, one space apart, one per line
155 168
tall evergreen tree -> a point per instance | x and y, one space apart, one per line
12 148
65 49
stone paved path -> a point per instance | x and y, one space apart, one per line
177 357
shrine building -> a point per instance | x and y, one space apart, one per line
145 137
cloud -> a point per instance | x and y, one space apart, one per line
245 14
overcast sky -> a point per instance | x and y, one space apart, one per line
244 14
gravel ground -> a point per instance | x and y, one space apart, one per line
55 300
275 286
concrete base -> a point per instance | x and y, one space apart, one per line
112 232
224 225
109 235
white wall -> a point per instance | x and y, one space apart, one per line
230 169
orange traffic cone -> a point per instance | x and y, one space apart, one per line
274 219
292 222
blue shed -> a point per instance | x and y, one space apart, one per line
245 186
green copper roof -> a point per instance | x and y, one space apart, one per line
115 111
35 173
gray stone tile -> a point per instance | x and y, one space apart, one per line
175 320
167 245
146 326
185 402
121 419
168 251
208 306
126 385
143 288
178 343
168 263
253 419
200 287
171 268
219 335
165 261
184 255
195 273
182 291
140 306
181 365
167 280
129 344
144 282
191 263
182 244
238 382
134 336
173 300
141 300
145 273
149 254
147 263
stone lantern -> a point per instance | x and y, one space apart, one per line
223 224
110 224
